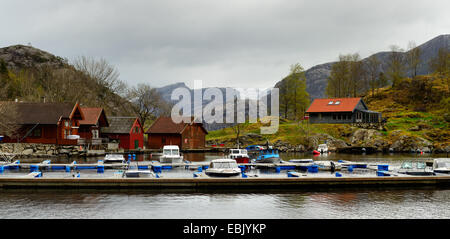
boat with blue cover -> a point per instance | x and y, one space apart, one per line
268 156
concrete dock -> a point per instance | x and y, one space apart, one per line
226 183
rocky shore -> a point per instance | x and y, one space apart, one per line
29 150
372 139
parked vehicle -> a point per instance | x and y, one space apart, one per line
223 168
171 154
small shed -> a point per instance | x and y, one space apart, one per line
187 134
341 111
127 131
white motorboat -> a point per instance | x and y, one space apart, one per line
306 161
171 154
113 158
322 148
135 173
441 165
328 165
223 168
416 168
240 155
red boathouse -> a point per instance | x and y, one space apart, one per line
166 132
45 123
127 131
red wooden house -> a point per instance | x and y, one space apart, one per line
90 126
127 131
166 132
46 123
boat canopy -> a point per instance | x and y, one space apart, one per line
442 163
171 150
224 163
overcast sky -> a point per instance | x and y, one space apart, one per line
235 43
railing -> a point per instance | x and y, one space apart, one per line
98 141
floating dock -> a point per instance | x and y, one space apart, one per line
228 183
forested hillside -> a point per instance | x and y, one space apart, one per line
31 75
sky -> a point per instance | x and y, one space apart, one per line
230 43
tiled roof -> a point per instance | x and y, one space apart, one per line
91 115
165 125
333 105
119 125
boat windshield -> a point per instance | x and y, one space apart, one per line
224 165
170 152
407 165
421 165
235 151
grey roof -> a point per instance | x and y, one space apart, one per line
37 113
119 125
369 111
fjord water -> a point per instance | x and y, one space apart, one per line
278 204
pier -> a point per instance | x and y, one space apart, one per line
229 183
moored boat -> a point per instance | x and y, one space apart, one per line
416 168
113 158
321 149
135 173
328 165
223 168
171 154
441 165
240 155
268 156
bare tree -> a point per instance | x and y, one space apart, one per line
372 69
104 74
8 124
147 103
396 66
413 58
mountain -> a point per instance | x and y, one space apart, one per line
33 75
18 57
317 76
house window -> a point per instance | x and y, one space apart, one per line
95 133
65 134
37 132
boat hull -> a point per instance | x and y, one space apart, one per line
171 160
417 173
138 174
269 160
222 174
242 160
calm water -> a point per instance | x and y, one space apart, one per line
277 204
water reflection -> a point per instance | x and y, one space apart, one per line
364 203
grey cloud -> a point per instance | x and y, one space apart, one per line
224 43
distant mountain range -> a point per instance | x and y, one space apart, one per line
317 76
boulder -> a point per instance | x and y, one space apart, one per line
27 152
